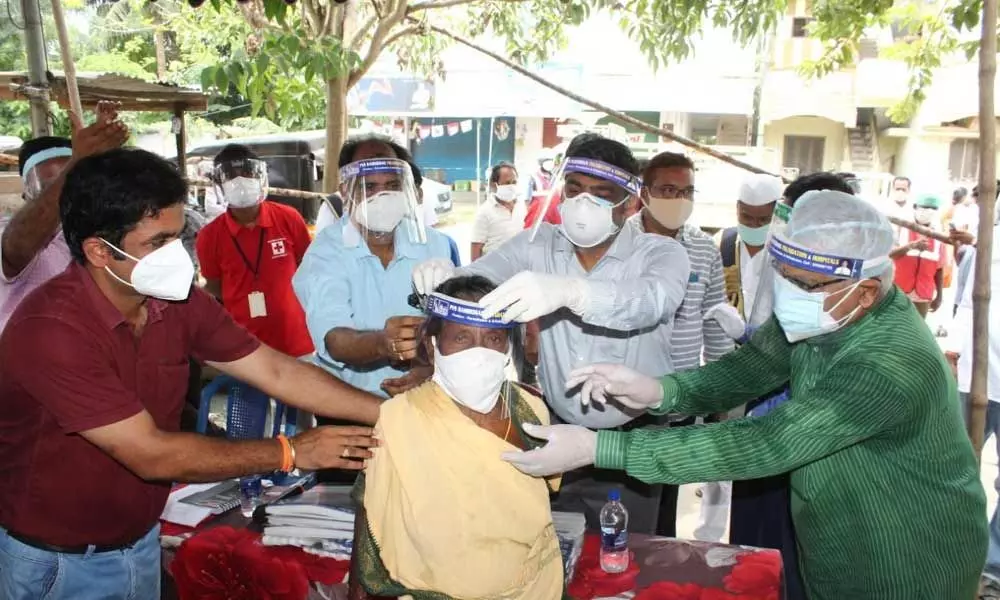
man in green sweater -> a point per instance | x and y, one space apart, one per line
886 496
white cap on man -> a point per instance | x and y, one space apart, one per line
759 189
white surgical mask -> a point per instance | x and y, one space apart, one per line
383 212
587 220
472 377
165 273
506 193
802 314
672 213
243 192
924 215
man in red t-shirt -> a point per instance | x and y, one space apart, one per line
249 254
920 261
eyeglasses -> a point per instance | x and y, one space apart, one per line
672 191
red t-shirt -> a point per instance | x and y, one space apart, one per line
69 363
260 259
551 214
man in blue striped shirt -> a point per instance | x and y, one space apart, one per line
667 203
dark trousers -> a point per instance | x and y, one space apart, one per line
761 516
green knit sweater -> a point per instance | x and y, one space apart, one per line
886 496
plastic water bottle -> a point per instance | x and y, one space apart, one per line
251 489
614 534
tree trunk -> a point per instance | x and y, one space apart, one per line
984 244
336 131
161 55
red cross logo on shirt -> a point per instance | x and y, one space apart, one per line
278 248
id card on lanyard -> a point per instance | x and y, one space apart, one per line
255 299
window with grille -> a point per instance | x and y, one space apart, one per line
804 153
963 159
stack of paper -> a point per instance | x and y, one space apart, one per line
570 528
320 520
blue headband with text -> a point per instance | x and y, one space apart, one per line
372 166
603 170
464 312
824 264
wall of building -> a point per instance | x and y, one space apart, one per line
835 134
447 149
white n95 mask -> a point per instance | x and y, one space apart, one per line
472 377
383 212
587 220
165 273
506 193
243 192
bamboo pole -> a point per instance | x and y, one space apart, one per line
616 115
69 68
987 208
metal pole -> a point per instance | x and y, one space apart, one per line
180 139
984 244
69 68
34 46
479 166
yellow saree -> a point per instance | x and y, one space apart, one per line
446 517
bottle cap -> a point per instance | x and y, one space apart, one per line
615 495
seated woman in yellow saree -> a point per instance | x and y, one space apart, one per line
441 516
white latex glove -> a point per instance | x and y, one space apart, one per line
529 295
432 273
629 388
569 447
728 318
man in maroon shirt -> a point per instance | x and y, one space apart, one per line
93 372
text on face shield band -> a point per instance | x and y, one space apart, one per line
597 168
824 264
465 312
372 167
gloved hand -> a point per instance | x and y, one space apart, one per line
569 447
629 388
432 273
529 295
728 318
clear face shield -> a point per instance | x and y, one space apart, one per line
588 191
241 183
473 373
41 169
380 197
806 314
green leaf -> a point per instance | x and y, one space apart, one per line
207 78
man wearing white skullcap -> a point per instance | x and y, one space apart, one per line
872 434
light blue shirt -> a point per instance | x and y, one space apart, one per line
340 283
635 290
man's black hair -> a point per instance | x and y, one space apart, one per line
665 160
106 195
418 176
234 152
350 148
823 180
909 184
495 171
33 147
581 138
605 150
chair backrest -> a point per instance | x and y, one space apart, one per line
247 412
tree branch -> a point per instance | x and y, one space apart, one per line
433 4
378 43
372 56
614 114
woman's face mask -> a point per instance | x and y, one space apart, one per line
587 220
506 193
472 377
803 314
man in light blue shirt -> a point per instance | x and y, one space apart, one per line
600 290
355 279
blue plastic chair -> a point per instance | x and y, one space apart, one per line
246 410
